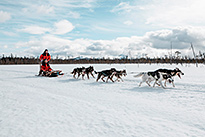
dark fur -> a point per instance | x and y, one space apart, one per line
105 73
174 72
88 71
119 74
160 76
167 76
166 73
154 74
78 71
171 73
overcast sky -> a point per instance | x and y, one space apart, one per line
101 28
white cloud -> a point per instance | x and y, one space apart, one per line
102 28
91 10
164 13
73 14
39 9
73 3
155 43
182 36
123 7
45 9
175 13
5 46
35 30
63 27
128 22
4 16
9 33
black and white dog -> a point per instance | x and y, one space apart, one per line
172 73
161 77
79 71
146 77
105 73
156 76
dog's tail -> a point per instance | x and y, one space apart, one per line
139 75
96 72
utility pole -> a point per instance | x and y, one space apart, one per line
129 55
192 47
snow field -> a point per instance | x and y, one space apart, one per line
33 106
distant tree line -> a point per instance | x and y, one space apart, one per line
166 60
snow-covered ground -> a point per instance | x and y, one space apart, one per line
33 106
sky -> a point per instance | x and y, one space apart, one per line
101 28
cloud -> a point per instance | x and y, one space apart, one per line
182 36
5 46
102 28
123 7
155 43
163 13
9 33
73 14
96 46
175 13
4 16
45 9
73 3
128 22
39 9
35 30
63 27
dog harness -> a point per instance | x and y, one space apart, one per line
104 74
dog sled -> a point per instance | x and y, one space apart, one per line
47 71
55 73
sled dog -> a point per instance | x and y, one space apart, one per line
89 70
78 71
119 75
105 73
155 76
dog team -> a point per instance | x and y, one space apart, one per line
157 76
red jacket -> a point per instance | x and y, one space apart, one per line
46 67
45 56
